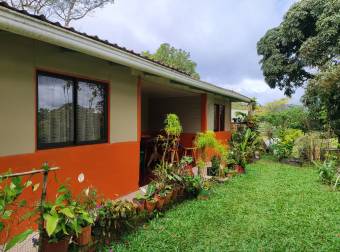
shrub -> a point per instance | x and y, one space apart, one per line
328 171
284 144
309 146
243 144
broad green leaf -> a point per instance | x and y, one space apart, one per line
28 183
88 219
12 186
7 214
62 189
16 180
51 223
67 212
60 199
1 226
18 238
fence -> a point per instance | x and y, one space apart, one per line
45 171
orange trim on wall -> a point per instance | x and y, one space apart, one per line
223 136
139 108
187 139
204 120
113 169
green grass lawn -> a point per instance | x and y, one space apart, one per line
274 207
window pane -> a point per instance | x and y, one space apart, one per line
216 117
55 110
222 117
91 112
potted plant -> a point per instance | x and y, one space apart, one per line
115 217
150 202
86 214
85 221
168 194
206 142
193 185
60 222
160 199
139 200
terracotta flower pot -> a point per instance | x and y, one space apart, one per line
140 204
60 246
84 237
168 197
174 193
180 192
239 169
160 201
229 175
150 205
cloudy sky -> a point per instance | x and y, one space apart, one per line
221 35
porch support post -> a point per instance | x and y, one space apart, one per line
204 112
139 108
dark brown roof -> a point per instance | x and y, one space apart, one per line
96 38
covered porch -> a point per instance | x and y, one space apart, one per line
198 111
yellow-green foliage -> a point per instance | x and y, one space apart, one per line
173 125
290 135
205 139
284 145
208 139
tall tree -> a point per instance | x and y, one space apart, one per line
173 57
36 7
304 51
71 10
323 98
65 11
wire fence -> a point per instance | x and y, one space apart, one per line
28 244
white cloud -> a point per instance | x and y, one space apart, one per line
258 88
221 35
